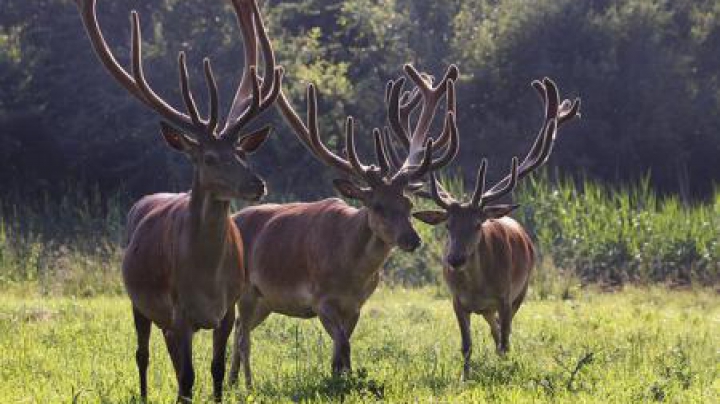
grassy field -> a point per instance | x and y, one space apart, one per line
636 345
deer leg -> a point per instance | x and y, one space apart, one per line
350 324
333 323
142 355
172 351
463 319
250 315
220 338
182 336
506 315
518 300
492 320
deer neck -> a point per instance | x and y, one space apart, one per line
369 246
209 221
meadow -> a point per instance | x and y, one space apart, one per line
624 307
638 345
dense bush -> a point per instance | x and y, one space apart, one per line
646 69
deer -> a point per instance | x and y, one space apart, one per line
489 256
323 259
183 263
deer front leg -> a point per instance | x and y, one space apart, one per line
220 338
506 316
332 320
463 319
180 346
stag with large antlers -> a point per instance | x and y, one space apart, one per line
331 253
488 255
183 266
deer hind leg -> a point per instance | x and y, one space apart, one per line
491 318
250 315
463 319
220 338
142 355
338 328
519 300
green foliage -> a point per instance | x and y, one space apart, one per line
639 345
622 234
647 71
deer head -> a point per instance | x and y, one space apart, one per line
464 219
218 152
382 189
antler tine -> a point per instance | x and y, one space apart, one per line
431 96
395 118
232 131
479 184
390 150
267 51
213 115
322 152
245 20
380 153
435 193
169 113
416 173
495 194
451 107
352 155
454 143
185 89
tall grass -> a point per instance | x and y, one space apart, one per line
586 232
626 234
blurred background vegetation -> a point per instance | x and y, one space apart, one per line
630 196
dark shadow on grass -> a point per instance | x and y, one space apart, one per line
336 388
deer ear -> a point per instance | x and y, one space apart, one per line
350 190
431 217
176 139
252 141
498 211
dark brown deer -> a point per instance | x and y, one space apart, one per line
183 266
332 253
489 256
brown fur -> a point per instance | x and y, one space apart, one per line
304 279
492 282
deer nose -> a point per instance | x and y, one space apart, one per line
409 242
456 260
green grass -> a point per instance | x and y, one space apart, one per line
636 345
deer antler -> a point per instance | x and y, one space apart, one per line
202 129
556 114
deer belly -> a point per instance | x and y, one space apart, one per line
202 311
290 300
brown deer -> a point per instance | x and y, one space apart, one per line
489 256
332 253
183 266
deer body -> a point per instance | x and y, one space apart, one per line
183 260
497 271
298 281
